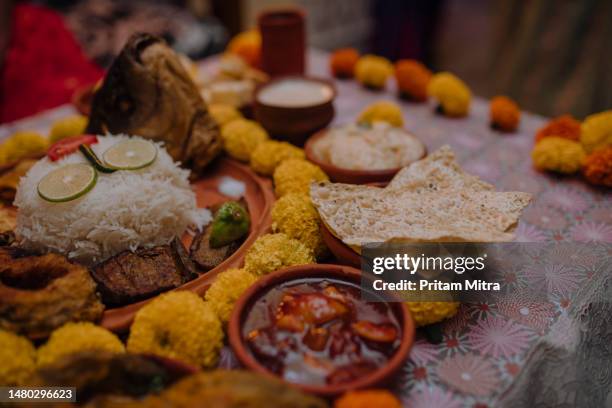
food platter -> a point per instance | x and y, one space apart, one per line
259 199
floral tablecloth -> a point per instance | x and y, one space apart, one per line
488 351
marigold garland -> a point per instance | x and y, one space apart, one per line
596 131
452 93
564 126
368 399
558 154
412 79
598 167
247 45
342 62
505 114
372 71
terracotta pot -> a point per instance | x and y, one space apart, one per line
283 40
294 123
342 252
378 377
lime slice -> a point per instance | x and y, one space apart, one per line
130 154
67 183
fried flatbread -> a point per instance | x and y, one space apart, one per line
432 200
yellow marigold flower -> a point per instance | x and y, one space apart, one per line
23 144
272 252
247 45
76 337
505 114
372 71
294 215
226 289
425 313
368 399
269 154
558 154
178 325
67 127
241 137
18 357
596 131
223 114
295 176
598 167
382 111
452 94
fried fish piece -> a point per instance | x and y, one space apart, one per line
131 276
148 92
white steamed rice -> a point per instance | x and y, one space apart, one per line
124 210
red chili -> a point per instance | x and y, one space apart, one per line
69 145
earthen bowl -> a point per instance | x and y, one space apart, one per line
342 252
350 176
294 123
379 377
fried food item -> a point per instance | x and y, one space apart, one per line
103 373
132 276
203 251
206 257
226 289
235 389
271 252
41 293
148 92
178 325
10 180
18 357
77 337
294 215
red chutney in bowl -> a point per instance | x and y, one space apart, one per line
319 332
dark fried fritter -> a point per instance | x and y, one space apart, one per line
108 377
132 276
39 293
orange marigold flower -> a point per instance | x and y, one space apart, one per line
368 399
412 79
505 114
342 62
248 46
563 126
598 167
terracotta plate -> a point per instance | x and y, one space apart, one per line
259 198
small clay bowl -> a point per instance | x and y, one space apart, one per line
342 252
379 377
349 176
296 122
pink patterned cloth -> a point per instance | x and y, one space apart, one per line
485 347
